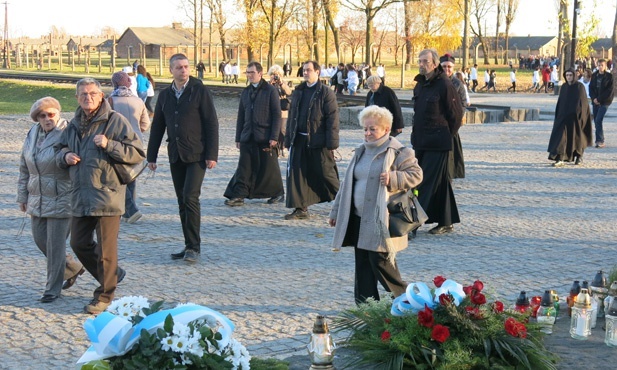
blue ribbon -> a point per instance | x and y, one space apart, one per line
418 295
114 336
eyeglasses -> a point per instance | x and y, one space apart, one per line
44 115
92 95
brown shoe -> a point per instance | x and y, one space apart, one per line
298 214
71 281
95 307
438 230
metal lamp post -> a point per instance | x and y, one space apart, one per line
577 10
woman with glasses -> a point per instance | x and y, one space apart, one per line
43 192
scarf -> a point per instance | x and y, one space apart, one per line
122 91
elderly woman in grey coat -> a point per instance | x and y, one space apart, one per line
379 168
43 192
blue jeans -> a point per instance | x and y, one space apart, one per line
598 116
130 206
187 179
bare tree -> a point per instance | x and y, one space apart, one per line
194 12
479 10
330 13
511 8
277 16
250 6
499 5
219 18
370 8
563 38
352 35
108 32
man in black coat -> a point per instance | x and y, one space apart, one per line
383 96
438 113
186 111
311 136
601 94
257 131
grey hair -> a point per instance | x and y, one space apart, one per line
87 81
175 57
373 78
383 116
433 53
276 70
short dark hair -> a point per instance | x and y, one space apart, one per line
316 66
257 66
175 57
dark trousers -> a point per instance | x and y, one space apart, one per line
187 179
100 258
372 267
474 85
598 118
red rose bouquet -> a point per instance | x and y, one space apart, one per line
454 330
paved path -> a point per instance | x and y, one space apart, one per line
525 226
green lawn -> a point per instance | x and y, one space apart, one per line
16 97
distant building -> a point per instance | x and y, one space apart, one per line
517 45
154 42
82 44
603 48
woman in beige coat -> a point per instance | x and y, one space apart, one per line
380 167
43 192
276 78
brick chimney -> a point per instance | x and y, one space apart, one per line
176 25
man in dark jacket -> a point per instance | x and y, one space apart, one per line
383 96
601 94
186 111
257 131
437 117
312 135
96 135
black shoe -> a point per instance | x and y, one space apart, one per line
600 145
71 281
191 256
48 298
578 161
121 274
437 230
234 202
275 200
178 256
298 214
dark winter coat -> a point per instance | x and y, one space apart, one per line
386 97
438 112
605 93
323 118
259 114
97 191
191 123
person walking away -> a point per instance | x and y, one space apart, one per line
352 80
200 67
383 96
312 135
512 80
121 100
535 80
93 138
44 192
185 111
142 83
340 79
601 93
258 127
456 159
379 168
438 115
235 71
487 79
473 75
571 132
381 73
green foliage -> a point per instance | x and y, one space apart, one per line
476 341
268 364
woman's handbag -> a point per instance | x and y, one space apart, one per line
285 103
127 173
406 213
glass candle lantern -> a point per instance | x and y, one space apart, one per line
546 313
594 304
321 348
599 289
555 302
610 337
580 324
574 290
522 302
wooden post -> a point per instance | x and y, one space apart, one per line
113 55
60 57
88 59
72 60
161 56
27 60
100 61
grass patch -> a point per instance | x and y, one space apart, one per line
268 364
16 97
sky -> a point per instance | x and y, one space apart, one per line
34 18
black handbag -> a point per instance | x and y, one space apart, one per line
127 173
285 103
406 213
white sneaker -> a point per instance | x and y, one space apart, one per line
134 217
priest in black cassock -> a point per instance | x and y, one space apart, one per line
572 127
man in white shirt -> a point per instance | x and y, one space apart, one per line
513 80
381 72
473 76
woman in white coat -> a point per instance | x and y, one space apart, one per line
380 167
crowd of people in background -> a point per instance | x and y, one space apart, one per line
71 156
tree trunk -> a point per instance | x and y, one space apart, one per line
368 36
333 28
271 37
315 30
497 32
408 22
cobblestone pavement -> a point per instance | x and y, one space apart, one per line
525 226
